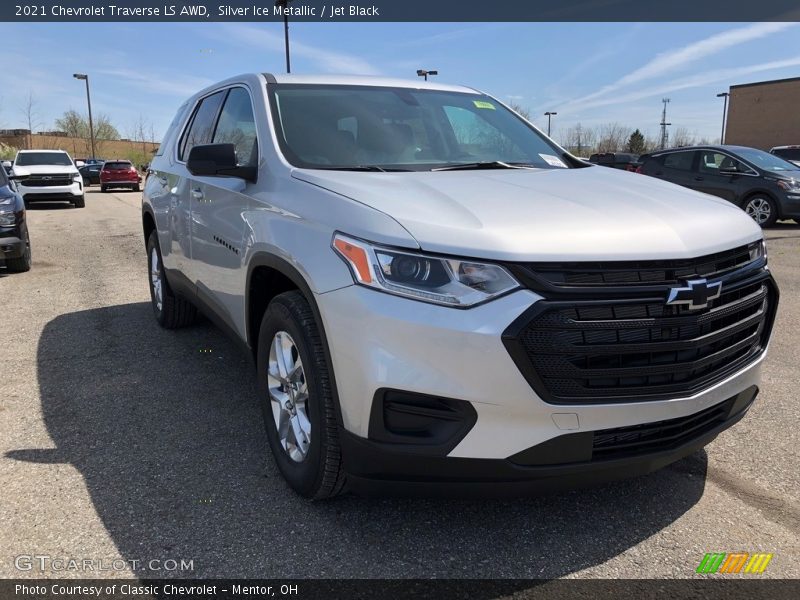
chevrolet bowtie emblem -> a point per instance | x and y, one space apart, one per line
696 294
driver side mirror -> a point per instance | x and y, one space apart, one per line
213 160
79 163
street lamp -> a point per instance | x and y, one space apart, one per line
549 115
284 4
724 114
85 78
424 73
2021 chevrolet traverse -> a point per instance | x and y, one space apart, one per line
434 293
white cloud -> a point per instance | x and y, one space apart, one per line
325 59
677 58
172 84
693 81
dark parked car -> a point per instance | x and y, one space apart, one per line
90 174
616 160
762 184
15 244
119 173
790 153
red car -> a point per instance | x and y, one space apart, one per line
119 173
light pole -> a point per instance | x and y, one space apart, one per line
284 4
724 114
424 73
85 78
549 114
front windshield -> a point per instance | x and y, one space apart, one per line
336 126
42 158
765 160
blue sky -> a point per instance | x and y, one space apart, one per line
592 73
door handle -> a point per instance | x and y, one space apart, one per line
197 194
698 179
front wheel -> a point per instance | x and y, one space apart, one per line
297 401
762 209
80 201
22 263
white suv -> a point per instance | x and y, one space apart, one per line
53 176
436 294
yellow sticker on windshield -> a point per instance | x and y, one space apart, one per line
483 104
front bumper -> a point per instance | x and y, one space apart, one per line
378 341
384 468
11 246
56 192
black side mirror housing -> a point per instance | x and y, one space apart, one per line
214 160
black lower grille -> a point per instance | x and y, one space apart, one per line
47 180
623 442
636 349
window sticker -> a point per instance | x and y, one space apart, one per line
553 161
483 104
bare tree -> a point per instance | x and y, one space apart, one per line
75 126
29 109
681 136
579 139
612 137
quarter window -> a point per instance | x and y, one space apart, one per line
237 126
202 126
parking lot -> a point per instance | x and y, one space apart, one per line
125 441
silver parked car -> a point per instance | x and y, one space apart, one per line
435 293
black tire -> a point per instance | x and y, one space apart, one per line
762 200
175 312
103 188
137 188
320 475
80 201
22 263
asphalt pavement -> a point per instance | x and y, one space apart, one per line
120 441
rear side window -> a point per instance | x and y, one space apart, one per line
202 126
237 126
681 161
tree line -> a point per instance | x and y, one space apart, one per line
75 125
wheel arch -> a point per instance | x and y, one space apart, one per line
266 268
760 192
148 223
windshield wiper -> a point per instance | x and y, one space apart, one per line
374 168
475 166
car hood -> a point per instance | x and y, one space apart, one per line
48 169
591 213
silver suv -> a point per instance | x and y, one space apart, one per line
436 294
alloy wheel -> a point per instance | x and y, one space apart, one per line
155 279
759 210
288 395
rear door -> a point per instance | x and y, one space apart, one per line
675 167
199 130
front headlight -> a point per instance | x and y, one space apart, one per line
791 185
77 177
446 281
7 218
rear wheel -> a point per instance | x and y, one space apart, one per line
171 311
762 209
80 201
137 188
297 398
22 263
103 188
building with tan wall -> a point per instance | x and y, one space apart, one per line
765 114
